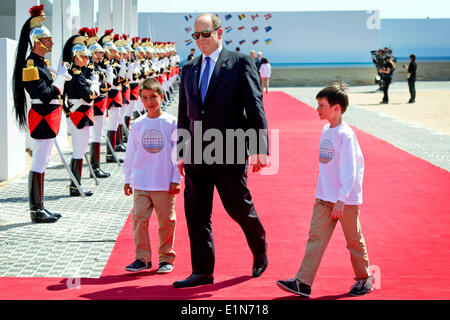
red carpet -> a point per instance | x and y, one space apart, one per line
405 220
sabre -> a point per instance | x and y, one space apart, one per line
72 177
91 170
127 132
112 151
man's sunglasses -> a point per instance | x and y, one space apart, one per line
204 34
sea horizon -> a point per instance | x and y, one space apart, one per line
368 64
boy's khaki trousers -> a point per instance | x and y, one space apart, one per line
322 227
164 204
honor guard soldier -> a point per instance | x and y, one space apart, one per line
114 101
145 65
79 95
136 104
133 74
97 53
44 118
120 44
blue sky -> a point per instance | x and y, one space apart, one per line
389 9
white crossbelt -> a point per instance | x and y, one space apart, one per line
76 103
54 101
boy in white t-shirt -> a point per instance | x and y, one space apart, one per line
338 196
151 175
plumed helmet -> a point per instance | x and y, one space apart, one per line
75 46
37 30
126 43
79 47
107 43
92 43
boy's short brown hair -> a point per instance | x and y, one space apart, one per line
335 94
151 84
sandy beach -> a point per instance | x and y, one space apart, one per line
431 110
432 107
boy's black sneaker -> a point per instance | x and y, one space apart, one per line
138 265
295 286
361 287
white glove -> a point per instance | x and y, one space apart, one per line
61 78
95 84
123 69
146 67
62 70
130 72
110 76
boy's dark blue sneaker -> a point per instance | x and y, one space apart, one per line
138 265
295 286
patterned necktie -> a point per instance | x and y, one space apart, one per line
204 80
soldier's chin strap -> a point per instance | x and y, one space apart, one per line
41 45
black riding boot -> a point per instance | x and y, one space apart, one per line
127 124
36 198
95 161
109 154
120 147
76 166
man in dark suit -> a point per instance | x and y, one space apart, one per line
191 55
219 93
258 60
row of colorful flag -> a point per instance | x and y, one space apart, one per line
228 42
266 41
228 29
240 16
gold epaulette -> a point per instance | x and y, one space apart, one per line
106 62
30 73
91 66
76 71
47 63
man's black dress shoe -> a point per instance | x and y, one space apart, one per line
259 265
194 280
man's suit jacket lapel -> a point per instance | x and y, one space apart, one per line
197 68
217 73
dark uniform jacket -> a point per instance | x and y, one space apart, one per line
79 97
44 117
100 103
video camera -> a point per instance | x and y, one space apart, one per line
379 58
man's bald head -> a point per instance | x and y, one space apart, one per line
210 24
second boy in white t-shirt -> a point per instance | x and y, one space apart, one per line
338 196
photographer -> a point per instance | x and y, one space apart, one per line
386 73
412 67
378 59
